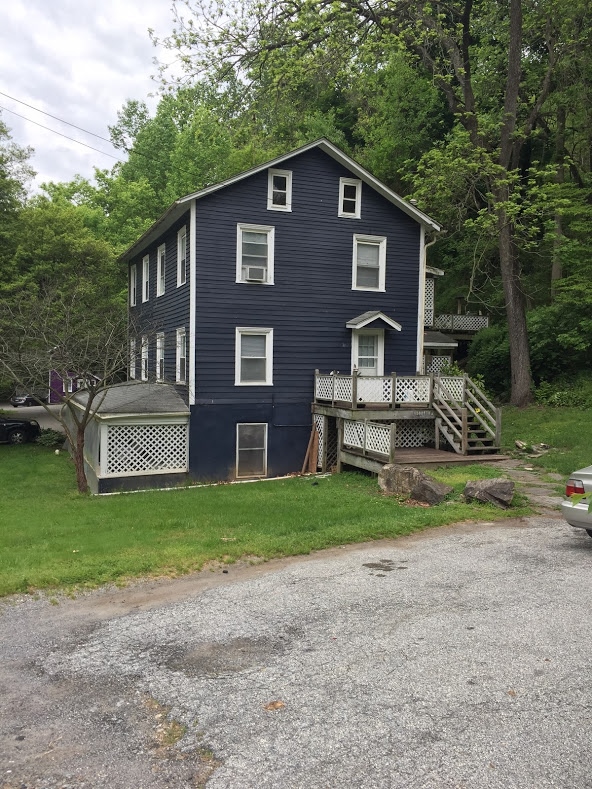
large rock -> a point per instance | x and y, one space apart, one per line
498 491
396 480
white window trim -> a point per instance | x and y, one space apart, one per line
265 449
181 263
133 285
159 356
268 356
145 278
380 241
356 333
160 270
144 359
343 182
132 358
180 334
270 230
270 204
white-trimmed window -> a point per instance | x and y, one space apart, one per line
144 358
181 373
254 254
160 357
132 359
279 190
369 263
133 284
67 385
350 198
182 256
254 357
145 278
160 269
251 450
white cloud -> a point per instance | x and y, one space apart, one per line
79 60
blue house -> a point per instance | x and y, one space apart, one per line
276 304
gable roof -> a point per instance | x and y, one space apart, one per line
369 317
178 208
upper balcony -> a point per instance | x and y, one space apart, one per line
461 323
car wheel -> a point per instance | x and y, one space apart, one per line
17 437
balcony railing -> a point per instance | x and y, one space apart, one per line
461 322
383 391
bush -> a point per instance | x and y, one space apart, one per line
489 360
51 438
562 393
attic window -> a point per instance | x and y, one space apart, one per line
350 198
279 190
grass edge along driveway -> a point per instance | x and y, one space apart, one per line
54 538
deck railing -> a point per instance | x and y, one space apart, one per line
358 391
369 438
461 322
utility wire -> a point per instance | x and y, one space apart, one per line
117 159
55 117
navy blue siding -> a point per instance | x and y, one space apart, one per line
165 313
312 298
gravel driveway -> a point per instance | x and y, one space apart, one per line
456 658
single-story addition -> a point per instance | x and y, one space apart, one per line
282 304
137 438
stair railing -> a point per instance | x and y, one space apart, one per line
482 409
455 420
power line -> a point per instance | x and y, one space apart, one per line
55 117
117 159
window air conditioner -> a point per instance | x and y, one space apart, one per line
256 274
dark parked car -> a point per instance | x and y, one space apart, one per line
18 431
27 398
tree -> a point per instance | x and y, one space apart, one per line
63 310
494 63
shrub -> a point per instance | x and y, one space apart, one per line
51 438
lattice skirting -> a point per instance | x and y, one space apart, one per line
133 449
413 433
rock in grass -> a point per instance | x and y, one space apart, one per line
498 491
396 480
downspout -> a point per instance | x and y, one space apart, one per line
421 305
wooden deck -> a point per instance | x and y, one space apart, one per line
423 457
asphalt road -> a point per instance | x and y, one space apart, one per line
459 658
36 412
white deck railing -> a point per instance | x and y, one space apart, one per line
461 322
368 437
381 390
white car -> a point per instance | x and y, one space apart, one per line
577 514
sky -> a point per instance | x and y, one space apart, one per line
78 60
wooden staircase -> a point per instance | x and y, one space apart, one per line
471 424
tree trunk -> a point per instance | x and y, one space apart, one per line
521 394
78 457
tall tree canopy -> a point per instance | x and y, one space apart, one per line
498 66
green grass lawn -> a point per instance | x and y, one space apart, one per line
52 537
568 431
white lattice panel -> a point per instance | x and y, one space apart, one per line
412 390
353 433
461 322
136 448
455 385
429 302
375 389
324 387
343 388
437 363
414 433
378 438
319 422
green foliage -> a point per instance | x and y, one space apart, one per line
50 438
489 360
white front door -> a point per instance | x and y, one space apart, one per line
368 351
